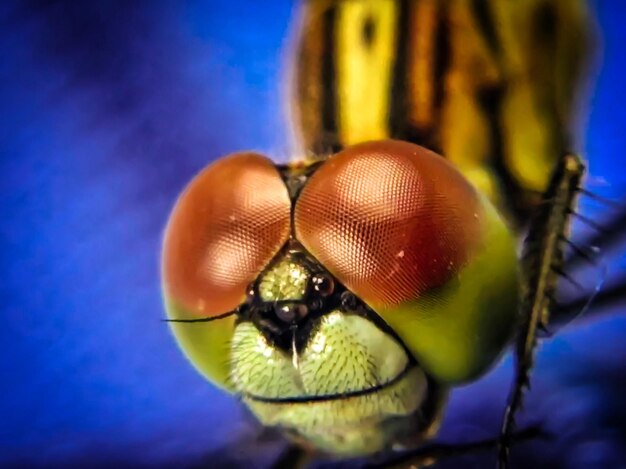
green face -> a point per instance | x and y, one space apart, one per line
319 368
343 305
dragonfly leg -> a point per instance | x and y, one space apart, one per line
542 266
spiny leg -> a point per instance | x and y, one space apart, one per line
610 296
607 235
542 265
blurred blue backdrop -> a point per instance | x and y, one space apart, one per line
106 110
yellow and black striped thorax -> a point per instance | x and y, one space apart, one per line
488 84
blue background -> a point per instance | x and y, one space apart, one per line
106 110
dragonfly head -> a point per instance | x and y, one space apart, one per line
340 301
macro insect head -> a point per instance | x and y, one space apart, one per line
342 295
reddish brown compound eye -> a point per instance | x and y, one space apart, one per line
225 228
389 219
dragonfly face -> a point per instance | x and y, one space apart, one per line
340 299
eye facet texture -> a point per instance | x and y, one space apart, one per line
225 228
401 228
390 219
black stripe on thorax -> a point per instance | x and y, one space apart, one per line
399 101
328 102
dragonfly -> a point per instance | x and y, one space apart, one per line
343 295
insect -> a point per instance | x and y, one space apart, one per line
342 296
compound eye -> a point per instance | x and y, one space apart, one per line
225 228
391 220
406 233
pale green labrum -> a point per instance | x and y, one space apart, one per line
345 353
205 344
458 331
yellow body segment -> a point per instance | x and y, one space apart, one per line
490 85
365 68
